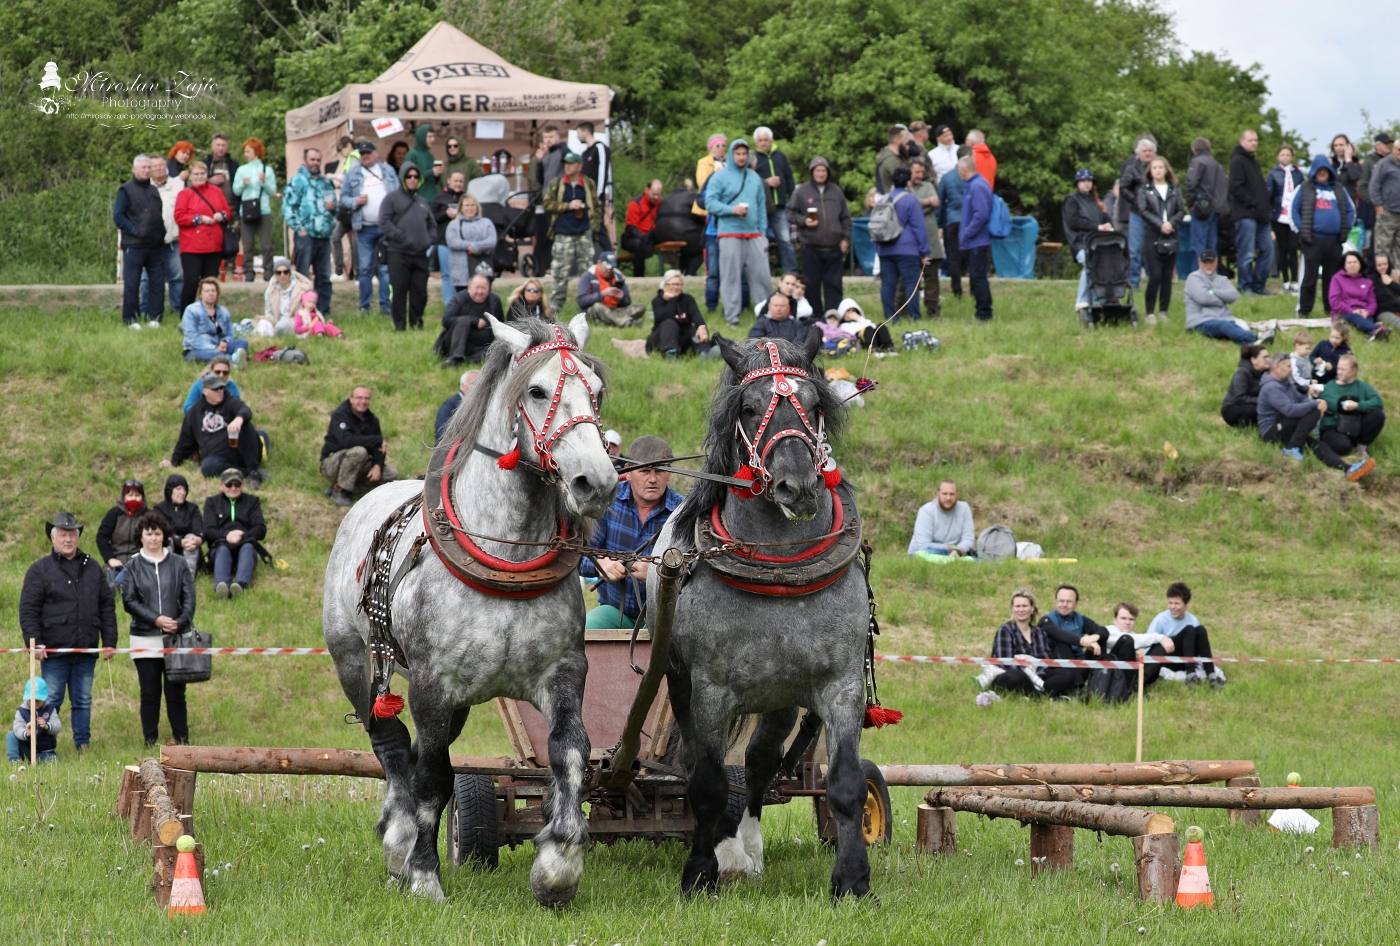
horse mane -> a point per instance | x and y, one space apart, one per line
723 453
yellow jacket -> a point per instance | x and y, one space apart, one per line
703 169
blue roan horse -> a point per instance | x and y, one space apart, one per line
751 646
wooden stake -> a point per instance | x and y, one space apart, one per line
937 830
1252 816
1052 847
33 704
1157 866
1356 826
1138 758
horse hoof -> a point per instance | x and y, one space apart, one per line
700 877
425 884
555 875
859 890
733 861
552 896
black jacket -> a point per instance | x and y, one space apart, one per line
520 309
407 222
143 209
463 307
157 589
67 603
184 519
1387 297
1249 192
1081 216
1131 177
441 201
1066 642
205 427
118 536
681 309
1206 182
1155 210
1349 176
1244 387
347 430
223 515
789 328
833 216
774 165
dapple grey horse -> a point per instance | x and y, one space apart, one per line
464 647
736 652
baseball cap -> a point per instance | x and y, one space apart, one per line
572 158
1208 256
1383 139
612 437
231 475
608 258
215 382
818 162
940 130
1083 174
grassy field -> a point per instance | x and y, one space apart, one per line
1056 432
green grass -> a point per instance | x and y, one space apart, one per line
1054 431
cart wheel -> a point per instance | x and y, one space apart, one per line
527 264
473 827
877 821
735 804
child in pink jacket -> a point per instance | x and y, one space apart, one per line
309 322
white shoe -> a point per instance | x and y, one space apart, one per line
136 326
337 277
1176 676
1151 319
1161 318
154 323
989 673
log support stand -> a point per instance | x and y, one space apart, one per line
1158 866
1356 826
1052 847
937 830
1244 817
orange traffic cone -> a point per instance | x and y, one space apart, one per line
1193 887
186 893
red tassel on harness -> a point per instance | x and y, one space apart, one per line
390 705
878 716
832 477
746 472
509 460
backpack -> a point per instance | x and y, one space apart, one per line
999 226
996 543
884 219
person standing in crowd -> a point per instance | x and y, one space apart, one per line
446 206
366 185
597 167
185 520
1289 417
308 208
951 188
1189 637
1365 206
208 327
253 185
1161 208
678 328
944 526
280 299
409 236
772 165
177 163
894 155
905 256
642 506
944 154
1131 178
1383 191
1208 299
1083 215
1284 180
604 296
975 236
158 593
222 167
466 334
459 161
346 157
818 214
927 193
220 428
233 527
735 198
549 165
421 157
1352 298
169 189
1346 169
449 407
1249 209
354 454
118 537
1355 414
527 301
705 168
986 161
918 141
471 240
398 152
1323 214
1240 408
66 602
202 215
639 224
140 216
1207 196
576 214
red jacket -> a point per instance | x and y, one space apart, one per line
986 166
641 213
207 237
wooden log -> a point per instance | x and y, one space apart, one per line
140 816
243 760
1356 826
1158 866
1187 796
1110 819
165 817
181 784
937 830
130 782
1052 847
1124 773
163 870
1249 816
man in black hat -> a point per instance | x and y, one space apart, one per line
66 602
220 427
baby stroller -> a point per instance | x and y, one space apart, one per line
1110 293
512 223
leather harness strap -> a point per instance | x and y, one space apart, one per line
784 388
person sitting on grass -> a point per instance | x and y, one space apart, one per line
1189 638
603 294
233 526
186 521
220 429
777 322
309 321
208 327
1208 298
871 335
466 334
678 327
527 302
836 336
1353 298
118 535
1386 285
1288 416
449 407
354 453
1023 637
1125 615
944 526
17 748
794 288
1087 639
1241 405
1325 354
1354 415
221 365
1303 366
640 509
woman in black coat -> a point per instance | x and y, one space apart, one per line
1241 405
678 327
1083 215
185 519
158 593
1162 210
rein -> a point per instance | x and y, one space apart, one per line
545 437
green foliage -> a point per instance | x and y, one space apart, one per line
60 235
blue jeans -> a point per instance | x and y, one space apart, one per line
207 354
315 253
782 235
1205 234
1254 249
1359 321
174 275
367 242
73 672
1082 297
15 754
711 272
223 564
1226 328
445 264
1136 236
139 262
892 269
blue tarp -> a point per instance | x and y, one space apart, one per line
1014 256
1185 259
862 245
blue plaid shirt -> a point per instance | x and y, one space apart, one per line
621 530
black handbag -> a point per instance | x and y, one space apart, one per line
1349 423
189 668
1168 245
251 211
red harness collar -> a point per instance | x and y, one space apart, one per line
544 438
814 436
780 563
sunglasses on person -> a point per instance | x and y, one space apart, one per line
533 290
282 272
221 372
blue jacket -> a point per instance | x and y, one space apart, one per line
304 204
444 414
203 333
197 389
355 181
951 187
1279 400
1322 210
976 214
590 288
913 239
736 185
1275 184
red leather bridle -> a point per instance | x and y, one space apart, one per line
544 438
784 388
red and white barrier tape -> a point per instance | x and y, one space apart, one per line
1128 664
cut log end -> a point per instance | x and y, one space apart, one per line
1160 824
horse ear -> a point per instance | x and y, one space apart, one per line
513 337
578 325
730 353
813 344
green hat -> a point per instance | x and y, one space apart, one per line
231 475
572 158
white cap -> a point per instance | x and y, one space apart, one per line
612 437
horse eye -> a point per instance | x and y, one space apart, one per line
537 392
